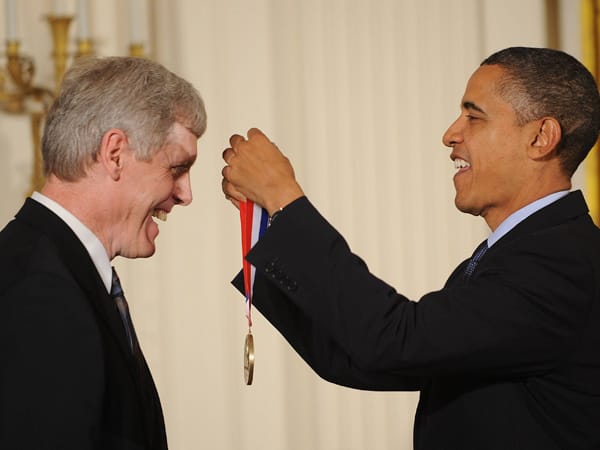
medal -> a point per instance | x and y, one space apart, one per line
249 358
254 221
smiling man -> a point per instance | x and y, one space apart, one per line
118 145
503 164
505 355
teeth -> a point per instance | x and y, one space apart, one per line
461 163
160 215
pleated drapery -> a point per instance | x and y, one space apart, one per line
357 93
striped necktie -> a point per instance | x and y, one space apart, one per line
477 255
116 292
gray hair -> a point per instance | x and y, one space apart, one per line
542 82
138 96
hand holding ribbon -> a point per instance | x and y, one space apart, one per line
257 170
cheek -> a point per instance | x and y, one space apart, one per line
493 148
157 188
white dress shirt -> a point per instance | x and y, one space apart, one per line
89 240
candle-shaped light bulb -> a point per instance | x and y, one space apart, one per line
11 20
83 27
135 19
59 8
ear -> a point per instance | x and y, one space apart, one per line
112 151
547 136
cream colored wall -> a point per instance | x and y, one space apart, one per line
357 93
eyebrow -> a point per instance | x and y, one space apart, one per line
186 163
473 106
182 158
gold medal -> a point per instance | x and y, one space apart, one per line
252 228
249 358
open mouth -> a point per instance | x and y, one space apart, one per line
160 214
461 164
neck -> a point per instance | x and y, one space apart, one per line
84 200
494 217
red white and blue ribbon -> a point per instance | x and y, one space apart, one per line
254 223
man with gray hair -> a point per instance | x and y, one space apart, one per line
118 145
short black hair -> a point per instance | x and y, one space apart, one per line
543 82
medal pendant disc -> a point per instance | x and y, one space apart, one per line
249 359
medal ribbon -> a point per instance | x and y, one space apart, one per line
254 221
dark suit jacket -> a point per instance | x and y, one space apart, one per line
507 360
67 377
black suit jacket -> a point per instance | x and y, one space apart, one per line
509 359
67 377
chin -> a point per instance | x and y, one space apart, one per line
464 206
145 251
148 253
458 203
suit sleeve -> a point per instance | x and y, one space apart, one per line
315 344
51 376
517 316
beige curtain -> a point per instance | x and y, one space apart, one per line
358 94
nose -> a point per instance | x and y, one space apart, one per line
183 190
453 134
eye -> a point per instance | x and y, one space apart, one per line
179 170
471 117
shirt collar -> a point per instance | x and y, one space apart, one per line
89 240
518 216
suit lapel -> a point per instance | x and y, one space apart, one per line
569 207
78 261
